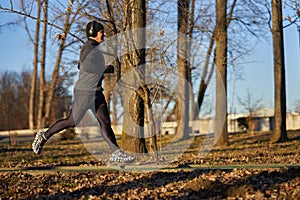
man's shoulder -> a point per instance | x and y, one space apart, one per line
89 45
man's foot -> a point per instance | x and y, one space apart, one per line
120 157
38 142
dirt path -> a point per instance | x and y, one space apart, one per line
140 168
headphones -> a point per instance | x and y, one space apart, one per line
92 31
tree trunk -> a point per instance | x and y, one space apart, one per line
149 118
183 70
221 137
279 133
40 122
206 76
34 73
191 23
132 133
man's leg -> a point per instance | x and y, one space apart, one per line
60 125
103 118
42 137
102 115
78 110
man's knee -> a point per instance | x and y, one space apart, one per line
105 121
70 121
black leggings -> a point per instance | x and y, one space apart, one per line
83 101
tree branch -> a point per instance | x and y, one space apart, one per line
11 10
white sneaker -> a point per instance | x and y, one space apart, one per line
38 142
120 156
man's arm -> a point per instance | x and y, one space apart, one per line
109 69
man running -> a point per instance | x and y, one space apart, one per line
88 94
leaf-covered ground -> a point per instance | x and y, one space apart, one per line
281 180
185 184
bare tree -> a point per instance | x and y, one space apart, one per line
42 82
183 70
69 20
221 137
31 112
242 17
251 104
297 106
133 135
279 134
14 96
8 94
111 16
44 91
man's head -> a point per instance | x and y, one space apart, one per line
95 30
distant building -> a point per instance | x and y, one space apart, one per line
262 119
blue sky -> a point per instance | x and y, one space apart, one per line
292 60
259 75
16 54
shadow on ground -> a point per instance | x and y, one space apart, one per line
190 185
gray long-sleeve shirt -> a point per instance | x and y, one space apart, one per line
92 67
